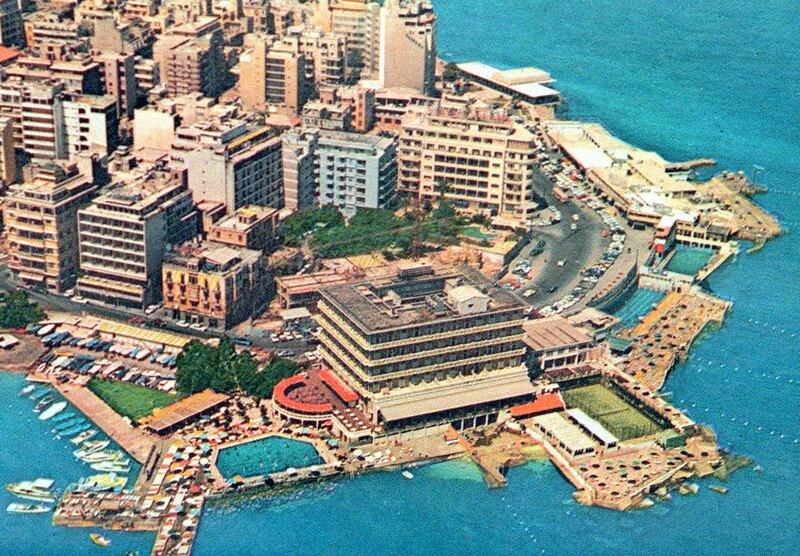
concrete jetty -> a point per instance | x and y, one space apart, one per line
134 441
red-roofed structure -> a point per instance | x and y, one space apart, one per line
345 393
8 55
282 396
545 403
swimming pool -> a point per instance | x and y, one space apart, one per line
266 455
689 260
636 305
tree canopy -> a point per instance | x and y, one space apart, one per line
223 369
17 311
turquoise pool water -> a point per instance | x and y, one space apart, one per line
636 305
268 455
689 260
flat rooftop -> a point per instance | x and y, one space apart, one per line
416 300
553 333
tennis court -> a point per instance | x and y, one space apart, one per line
604 406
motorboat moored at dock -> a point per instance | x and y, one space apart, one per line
43 403
85 435
17 508
52 411
37 490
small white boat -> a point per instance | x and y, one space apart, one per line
107 455
85 435
90 447
17 508
99 539
27 390
38 490
122 467
407 474
52 411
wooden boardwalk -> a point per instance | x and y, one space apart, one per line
134 441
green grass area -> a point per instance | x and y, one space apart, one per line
130 400
476 233
368 231
603 405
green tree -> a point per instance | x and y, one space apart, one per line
223 369
271 375
17 311
451 72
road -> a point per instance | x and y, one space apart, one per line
66 305
578 248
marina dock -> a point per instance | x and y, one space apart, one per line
134 441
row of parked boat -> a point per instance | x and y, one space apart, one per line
72 425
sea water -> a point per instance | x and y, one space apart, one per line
710 78
29 451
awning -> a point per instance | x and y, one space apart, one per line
455 397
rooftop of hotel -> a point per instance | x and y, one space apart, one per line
553 333
418 298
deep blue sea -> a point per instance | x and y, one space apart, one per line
708 78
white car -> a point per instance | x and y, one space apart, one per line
80 299
182 324
198 326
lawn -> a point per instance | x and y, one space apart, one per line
475 232
130 400
619 417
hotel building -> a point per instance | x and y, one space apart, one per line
41 220
427 349
124 232
232 162
478 161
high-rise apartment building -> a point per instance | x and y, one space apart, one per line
191 59
355 171
272 74
232 162
346 170
359 21
42 225
119 76
91 123
427 349
325 55
124 232
408 45
479 161
299 180
8 159
11 30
